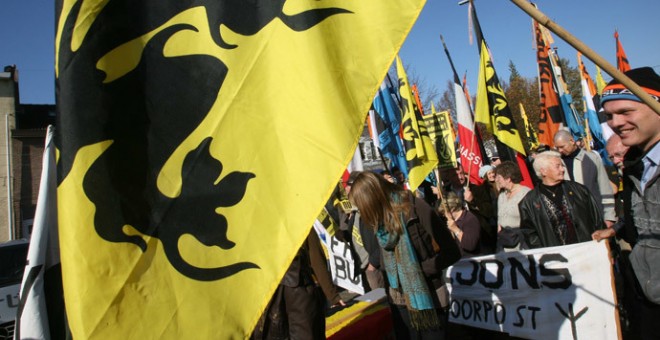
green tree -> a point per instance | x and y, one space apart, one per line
523 90
428 93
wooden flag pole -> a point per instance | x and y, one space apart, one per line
588 52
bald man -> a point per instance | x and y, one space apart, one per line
616 150
587 169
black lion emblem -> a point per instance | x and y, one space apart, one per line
147 113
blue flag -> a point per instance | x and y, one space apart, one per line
389 121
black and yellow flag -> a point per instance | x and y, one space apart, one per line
532 136
441 133
492 108
420 152
198 142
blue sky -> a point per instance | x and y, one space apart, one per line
27 33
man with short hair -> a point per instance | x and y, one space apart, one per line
587 169
639 128
616 150
557 212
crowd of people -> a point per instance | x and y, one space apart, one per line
402 241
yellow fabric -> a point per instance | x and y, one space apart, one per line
290 110
532 137
600 82
351 315
492 107
420 153
439 126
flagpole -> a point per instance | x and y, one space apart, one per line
587 52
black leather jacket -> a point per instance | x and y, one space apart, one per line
582 208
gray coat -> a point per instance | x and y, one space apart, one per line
643 222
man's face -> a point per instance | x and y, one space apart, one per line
634 122
566 147
460 174
501 182
616 152
554 171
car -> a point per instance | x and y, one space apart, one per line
12 266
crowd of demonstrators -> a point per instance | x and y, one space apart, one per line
508 178
401 243
475 198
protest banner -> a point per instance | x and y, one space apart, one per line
342 265
550 293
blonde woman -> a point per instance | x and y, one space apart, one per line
415 247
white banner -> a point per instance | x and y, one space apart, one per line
550 293
341 261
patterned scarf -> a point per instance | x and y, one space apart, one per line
561 222
405 274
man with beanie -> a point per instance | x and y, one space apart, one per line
639 128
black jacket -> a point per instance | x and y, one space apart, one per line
582 208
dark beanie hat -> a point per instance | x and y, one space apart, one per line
645 77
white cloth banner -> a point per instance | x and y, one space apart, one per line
342 265
44 253
550 293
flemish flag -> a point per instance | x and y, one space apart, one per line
420 153
440 130
621 58
551 117
532 136
492 109
198 141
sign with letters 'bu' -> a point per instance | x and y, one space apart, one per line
344 271
550 293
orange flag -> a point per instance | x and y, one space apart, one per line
621 58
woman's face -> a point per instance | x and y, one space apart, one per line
490 175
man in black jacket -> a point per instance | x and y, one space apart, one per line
557 212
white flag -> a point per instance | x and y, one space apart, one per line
43 254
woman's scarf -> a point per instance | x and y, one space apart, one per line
405 274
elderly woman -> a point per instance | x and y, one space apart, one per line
508 178
557 212
415 248
463 224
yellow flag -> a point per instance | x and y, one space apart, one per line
532 136
600 82
492 108
198 145
420 153
441 133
